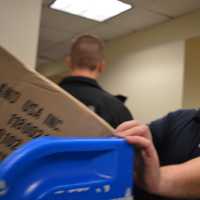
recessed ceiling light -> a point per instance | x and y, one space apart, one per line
99 10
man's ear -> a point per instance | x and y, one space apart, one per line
67 62
102 66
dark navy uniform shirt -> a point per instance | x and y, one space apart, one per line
92 95
177 140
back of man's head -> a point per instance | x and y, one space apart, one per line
87 52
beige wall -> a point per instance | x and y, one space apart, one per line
20 28
148 66
151 78
191 96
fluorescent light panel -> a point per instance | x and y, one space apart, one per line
99 10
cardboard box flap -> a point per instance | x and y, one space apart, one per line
31 106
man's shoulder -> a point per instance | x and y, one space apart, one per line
182 114
175 118
113 99
63 81
115 104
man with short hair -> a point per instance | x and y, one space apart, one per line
86 62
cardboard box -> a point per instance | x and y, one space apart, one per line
32 106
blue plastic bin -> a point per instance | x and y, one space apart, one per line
56 168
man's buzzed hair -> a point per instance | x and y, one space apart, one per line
86 52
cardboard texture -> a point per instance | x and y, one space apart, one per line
32 106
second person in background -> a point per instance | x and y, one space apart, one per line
86 62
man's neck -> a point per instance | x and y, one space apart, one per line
84 73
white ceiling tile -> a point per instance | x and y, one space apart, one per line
42 61
44 44
46 2
57 51
54 35
172 8
65 22
133 20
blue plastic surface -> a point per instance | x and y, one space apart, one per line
55 168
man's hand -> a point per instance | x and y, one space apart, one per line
175 181
147 167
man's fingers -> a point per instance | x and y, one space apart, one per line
138 141
142 143
126 125
141 130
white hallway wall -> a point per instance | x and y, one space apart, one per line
19 30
